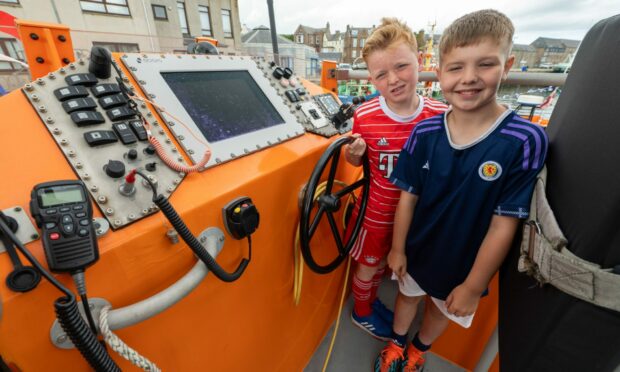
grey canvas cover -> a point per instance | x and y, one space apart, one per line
544 329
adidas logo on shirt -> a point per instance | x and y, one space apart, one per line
383 142
426 166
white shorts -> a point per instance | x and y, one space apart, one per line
410 288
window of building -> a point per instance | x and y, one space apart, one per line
354 53
118 47
299 38
159 12
183 18
354 33
118 7
227 23
205 20
287 61
310 39
362 41
11 48
354 43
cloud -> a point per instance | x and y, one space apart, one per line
532 18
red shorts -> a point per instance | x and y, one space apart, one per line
371 246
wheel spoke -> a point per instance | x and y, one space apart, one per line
335 232
332 171
315 221
340 193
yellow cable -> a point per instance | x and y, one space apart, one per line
298 258
344 290
298 275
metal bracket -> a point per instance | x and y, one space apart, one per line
57 334
26 232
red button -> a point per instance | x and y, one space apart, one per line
54 236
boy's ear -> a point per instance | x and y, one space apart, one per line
508 65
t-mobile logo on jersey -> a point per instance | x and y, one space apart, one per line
387 161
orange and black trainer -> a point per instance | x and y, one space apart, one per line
414 360
390 359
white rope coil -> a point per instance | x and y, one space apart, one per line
122 348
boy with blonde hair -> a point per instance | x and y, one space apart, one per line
467 176
381 127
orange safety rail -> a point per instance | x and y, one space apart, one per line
47 46
328 76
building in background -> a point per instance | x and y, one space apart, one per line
353 42
553 51
302 59
333 43
311 36
125 26
525 56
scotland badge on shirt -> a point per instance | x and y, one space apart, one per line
490 170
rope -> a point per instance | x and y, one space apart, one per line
122 348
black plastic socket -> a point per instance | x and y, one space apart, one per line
241 217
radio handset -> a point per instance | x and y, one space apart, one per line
63 212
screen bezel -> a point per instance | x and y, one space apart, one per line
147 69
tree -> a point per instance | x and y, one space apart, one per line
419 37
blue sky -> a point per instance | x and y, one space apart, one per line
569 19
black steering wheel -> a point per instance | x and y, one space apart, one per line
328 203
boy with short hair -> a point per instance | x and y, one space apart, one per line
381 127
467 175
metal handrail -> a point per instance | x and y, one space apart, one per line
514 77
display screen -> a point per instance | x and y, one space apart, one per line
57 196
223 104
329 103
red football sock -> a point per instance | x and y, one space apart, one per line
361 295
376 280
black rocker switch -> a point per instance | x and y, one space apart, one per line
240 217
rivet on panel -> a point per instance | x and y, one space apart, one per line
94 188
174 150
56 131
86 176
118 222
79 165
71 153
102 199
190 151
40 82
109 211
35 98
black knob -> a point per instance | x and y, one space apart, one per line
132 154
355 100
278 72
298 106
151 167
300 91
100 62
272 63
287 72
150 150
115 169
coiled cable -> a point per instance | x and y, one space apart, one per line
69 316
189 238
